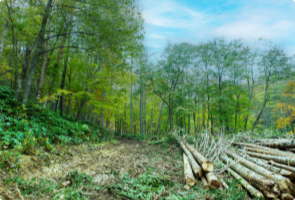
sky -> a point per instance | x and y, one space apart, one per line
196 21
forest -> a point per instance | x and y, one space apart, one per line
77 78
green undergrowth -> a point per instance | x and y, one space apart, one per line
23 129
79 186
148 186
145 186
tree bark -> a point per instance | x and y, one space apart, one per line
43 65
269 188
264 150
292 169
23 73
4 35
103 109
56 66
278 143
223 183
252 190
264 103
188 123
212 180
288 161
286 196
188 173
206 165
195 166
285 184
159 119
171 116
205 182
141 105
62 86
38 50
272 168
151 121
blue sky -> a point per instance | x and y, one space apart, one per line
197 21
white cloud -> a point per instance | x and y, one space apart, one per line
171 20
167 13
256 29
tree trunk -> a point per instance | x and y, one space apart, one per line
56 66
285 184
195 166
223 183
212 180
103 109
38 50
264 103
62 85
43 65
188 173
246 122
4 35
141 107
272 168
292 127
159 119
290 168
206 165
262 149
285 196
151 121
268 187
195 128
23 74
278 143
171 117
283 160
188 123
272 152
252 190
205 182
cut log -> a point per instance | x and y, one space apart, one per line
205 182
292 150
272 152
223 183
206 165
212 180
268 187
272 168
290 168
188 173
277 143
262 149
284 160
285 196
285 184
194 165
252 190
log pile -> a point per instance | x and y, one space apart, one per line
266 168
196 164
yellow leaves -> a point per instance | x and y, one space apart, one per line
54 96
4 71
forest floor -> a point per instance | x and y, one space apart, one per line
102 162
119 169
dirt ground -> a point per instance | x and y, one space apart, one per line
122 156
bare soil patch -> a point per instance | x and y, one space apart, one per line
101 162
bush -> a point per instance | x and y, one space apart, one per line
85 128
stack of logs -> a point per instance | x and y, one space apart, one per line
266 168
196 165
